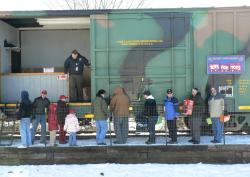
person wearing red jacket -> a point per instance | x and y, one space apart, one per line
53 124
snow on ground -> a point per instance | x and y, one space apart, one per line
160 140
128 170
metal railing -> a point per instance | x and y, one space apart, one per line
190 129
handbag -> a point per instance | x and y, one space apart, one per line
224 118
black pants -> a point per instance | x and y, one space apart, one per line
172 129
195 126
151 128
75 87
121 129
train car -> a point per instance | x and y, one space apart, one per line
140 49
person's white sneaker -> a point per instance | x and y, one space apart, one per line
22 146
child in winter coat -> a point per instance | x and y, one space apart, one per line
71 126
53 124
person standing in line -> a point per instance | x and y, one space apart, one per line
74 66
100 115
62 111
71 126
25 111
119 107
52 123
150 112
171 106
195 119
216 109
40 110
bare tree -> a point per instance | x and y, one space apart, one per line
103 4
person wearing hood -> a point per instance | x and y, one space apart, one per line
119 107
171 106
216 106
71 126
195 119
100 115
151 114
25 110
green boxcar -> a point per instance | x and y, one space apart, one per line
161 49
157 49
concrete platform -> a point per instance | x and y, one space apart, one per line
173 154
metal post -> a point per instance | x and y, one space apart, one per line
166 136
110 135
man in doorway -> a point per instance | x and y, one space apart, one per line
74 66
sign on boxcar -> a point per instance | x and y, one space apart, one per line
225 64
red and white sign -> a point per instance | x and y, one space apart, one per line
62 77
188 107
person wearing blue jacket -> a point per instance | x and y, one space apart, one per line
171 106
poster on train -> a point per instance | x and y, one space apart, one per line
225 64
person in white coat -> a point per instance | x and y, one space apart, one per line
71 126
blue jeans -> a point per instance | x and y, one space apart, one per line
42 120
101 130
72 139
218 128
25 131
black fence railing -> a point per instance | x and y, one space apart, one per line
140 128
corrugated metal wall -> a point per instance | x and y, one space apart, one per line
12 85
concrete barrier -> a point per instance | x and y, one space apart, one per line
174 154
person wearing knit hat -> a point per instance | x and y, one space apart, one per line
151 114
171 107
63 97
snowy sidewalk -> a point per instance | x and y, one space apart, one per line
129 170
160 140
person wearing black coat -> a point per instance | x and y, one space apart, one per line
62 112
151 114
74 66
25 110
195 119
40 110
